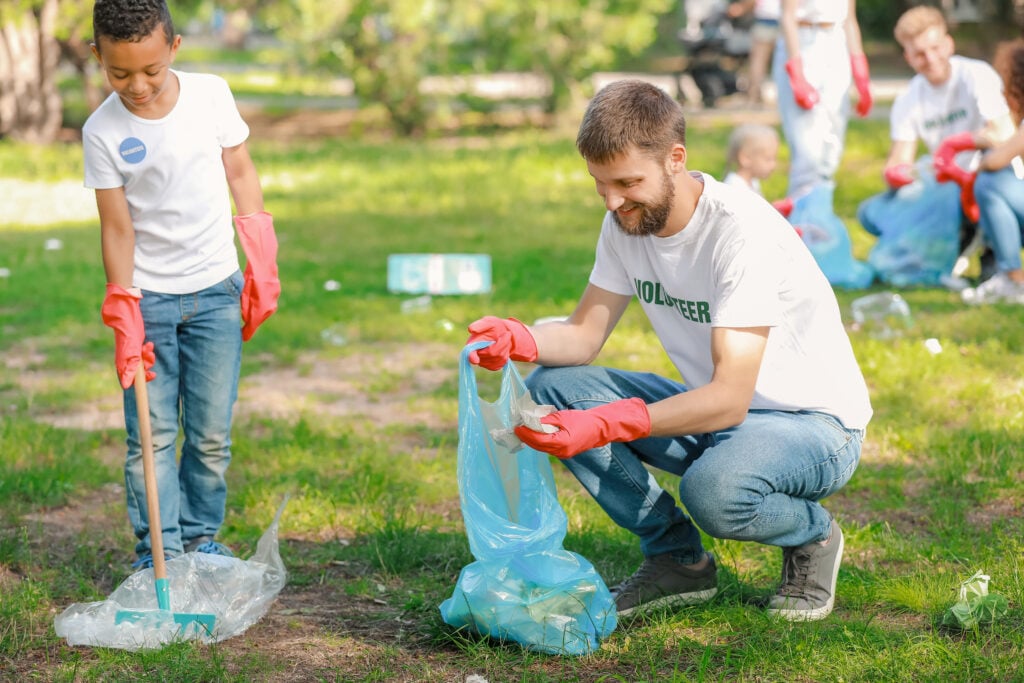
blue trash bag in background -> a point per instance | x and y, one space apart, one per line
918 229
825 235
523 585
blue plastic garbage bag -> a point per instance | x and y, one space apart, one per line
523 585
826 236
918 229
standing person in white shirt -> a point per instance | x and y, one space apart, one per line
771 414
818 54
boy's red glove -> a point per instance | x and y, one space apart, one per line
122 314
581 430
861 81
944 159
803 92
262 286
899 175
511 341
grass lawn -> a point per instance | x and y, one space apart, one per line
349 404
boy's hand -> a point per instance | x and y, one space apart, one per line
122 314
861 81
803 92
511 341
899 175
262 286
581 430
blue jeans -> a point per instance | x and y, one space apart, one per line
1000 196
197 339
815 136
759 481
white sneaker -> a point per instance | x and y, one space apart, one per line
998 288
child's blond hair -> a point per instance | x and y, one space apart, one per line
742 137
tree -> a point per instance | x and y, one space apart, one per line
30 104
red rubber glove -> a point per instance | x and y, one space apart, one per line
803 92
581 430
967 200
944 159
511 341
262 286
121 313
861 81
899 175
784 206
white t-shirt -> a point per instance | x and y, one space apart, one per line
739 263
966 102
173 178
736 180
823 11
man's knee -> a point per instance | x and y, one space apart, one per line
549 385
719 503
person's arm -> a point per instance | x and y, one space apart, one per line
854 43
243 180
579 339
1000 156
117 236
725 400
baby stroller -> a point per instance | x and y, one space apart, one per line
716 46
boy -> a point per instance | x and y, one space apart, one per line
157 153
751 157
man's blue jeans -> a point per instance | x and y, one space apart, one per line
759 481
1000 197
198 344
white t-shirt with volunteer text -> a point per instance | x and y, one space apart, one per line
972 97
739 263
173 178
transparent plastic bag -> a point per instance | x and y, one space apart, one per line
237 592
523 585
828 240
918 229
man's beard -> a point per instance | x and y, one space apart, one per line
653 216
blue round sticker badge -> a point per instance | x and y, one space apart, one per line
133 150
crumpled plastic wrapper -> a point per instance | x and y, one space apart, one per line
526 412
237 592
976 606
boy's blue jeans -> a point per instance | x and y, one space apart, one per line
197 339
1000 197
759 481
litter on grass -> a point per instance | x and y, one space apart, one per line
238 592
975 606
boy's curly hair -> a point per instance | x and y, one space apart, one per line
130 20
1009 62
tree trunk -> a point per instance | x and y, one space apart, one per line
30 104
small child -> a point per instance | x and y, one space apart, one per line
751 157
163 152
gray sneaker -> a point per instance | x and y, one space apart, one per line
661 581
998 288
809 576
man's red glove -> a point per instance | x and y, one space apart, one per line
122 314
511 341
899 175
944 159
967 200
803 92
262 286
784 206
581 430
861 81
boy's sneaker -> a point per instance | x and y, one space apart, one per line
809 576
206 544
996 289
661 581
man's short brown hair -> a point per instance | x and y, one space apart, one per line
630 114
917 20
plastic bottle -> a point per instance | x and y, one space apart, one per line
882 315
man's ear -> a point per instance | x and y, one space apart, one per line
677 159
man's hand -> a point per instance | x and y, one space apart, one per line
511 341
262 286
967 201
861 81
944 159
803 92
581 430
122 314
899 175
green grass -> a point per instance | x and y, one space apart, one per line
372 536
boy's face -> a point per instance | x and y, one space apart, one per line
139 71
928 54
760 158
